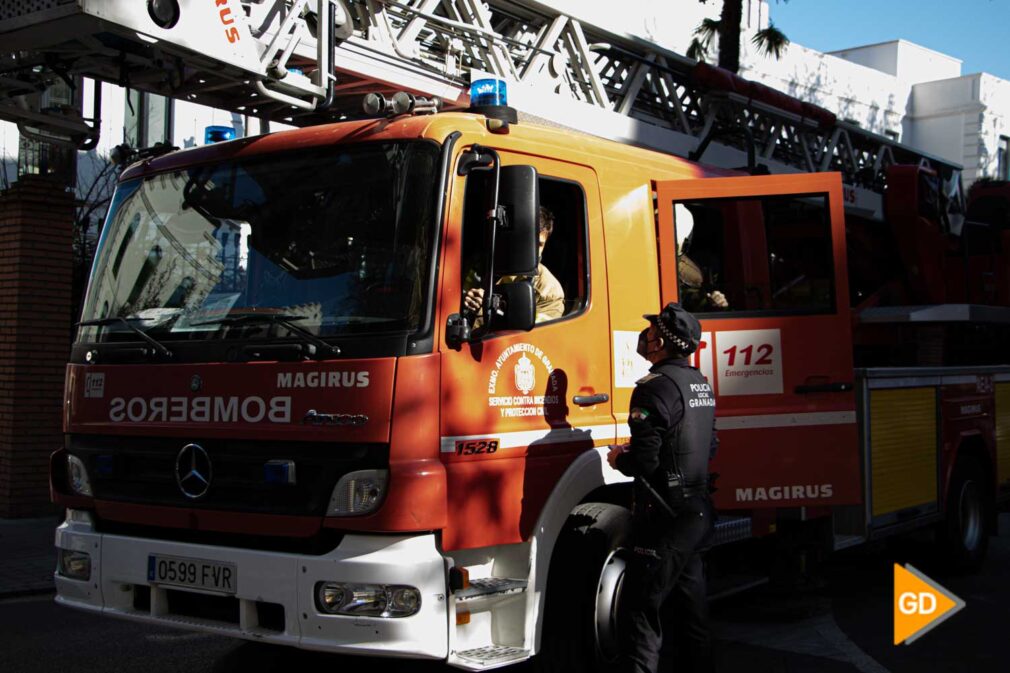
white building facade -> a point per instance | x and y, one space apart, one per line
896 89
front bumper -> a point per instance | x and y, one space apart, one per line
119 587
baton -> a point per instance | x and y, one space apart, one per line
657 497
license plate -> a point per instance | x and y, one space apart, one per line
193 573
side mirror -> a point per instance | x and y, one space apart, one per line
516 246
513 306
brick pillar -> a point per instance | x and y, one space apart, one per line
36 260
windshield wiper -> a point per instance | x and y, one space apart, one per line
105 322
287 321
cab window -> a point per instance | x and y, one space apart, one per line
755 255
561 286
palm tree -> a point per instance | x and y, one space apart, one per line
770 40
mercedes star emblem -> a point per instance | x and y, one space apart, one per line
196 383
193 471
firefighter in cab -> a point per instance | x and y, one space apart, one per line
672 421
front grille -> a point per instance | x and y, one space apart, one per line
12 9
142 470
213 608
202 606
270 616
323 542
141 598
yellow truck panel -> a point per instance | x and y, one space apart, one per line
902 427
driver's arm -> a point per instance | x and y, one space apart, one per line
550 296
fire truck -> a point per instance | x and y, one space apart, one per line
282 424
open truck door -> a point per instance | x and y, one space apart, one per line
761 261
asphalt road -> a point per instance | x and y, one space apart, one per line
844 627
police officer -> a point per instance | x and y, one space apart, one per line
672 424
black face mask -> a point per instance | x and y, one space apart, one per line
644 341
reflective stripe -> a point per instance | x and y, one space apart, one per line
928 381
561 435
786 420
606 433
771 421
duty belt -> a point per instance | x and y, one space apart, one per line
661 502
694 489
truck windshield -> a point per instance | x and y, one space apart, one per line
338 239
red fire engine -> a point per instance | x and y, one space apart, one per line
281 424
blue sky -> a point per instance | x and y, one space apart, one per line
975 31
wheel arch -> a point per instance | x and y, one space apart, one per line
588 479
973 447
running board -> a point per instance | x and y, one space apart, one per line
488 588
731 529
846 541
492 656
730 585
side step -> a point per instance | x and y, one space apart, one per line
731 529
489 613
846 541
730 585
490 588
493 655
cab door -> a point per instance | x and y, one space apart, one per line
762 262
519 407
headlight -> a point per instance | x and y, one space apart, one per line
367 600
358 492
75 564
404 601
364 599
330 597
77 475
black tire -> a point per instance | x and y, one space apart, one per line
963 536
583 585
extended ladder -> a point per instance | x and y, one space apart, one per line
278 59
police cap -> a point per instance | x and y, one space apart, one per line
680 329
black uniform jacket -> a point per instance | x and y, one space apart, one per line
656 406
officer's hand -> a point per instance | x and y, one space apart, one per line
718 299
474 299
615 451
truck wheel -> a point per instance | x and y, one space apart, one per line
963 536
587 569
